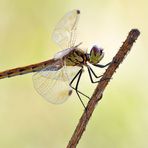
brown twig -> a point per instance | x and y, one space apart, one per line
97 95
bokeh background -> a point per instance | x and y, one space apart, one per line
120 119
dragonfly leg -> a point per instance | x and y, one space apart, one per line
76 87
102 66
77 82
90 72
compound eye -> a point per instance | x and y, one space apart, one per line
96 50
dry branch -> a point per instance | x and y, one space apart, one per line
97 95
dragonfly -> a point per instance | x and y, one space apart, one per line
53 79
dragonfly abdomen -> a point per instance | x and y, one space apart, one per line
16 71
25 69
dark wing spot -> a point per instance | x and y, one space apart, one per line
70 92
78 11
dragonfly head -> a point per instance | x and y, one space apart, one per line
96 55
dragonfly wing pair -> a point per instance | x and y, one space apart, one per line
53 81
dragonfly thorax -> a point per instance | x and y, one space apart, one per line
76 57
96 55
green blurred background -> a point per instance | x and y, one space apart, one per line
120 119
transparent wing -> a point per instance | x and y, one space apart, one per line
53 82
61 54
64 32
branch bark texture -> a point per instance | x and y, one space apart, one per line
97 95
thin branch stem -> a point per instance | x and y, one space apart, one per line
98 93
